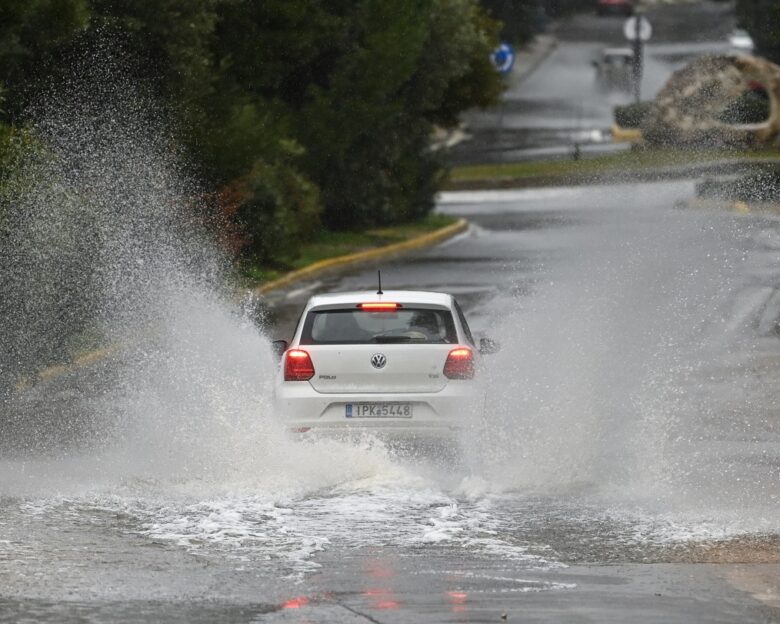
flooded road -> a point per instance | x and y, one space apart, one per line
627 464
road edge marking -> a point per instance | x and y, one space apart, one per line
429 239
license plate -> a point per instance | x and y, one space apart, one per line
379 410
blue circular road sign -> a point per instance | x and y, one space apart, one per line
503 58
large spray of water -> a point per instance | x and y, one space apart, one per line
113 245
631 374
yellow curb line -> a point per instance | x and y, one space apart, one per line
60 369
419 242
626 135
741 207
734 206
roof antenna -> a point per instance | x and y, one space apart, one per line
379 279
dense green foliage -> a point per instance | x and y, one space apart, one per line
632 115
298 112
522 19
761 18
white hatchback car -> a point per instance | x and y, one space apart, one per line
398 364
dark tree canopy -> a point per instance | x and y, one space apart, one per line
762 20
302 111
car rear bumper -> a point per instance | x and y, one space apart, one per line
435 415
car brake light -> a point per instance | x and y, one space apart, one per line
379 306
298 366
459 364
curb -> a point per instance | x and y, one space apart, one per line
348 260
57 370
424 240
626 135
738 206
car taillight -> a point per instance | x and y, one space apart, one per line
459 364
298 366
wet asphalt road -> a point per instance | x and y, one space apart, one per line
640 248
627 468
563 102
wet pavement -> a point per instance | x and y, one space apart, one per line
626 466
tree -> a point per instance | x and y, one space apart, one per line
32 32
333 101
407 65
516 16
761 18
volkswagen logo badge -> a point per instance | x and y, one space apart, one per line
378 360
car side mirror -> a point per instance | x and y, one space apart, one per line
279 347
488 346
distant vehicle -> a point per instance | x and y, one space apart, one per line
741 42
614 68
615 7
398 364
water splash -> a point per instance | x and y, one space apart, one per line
620 377
114 243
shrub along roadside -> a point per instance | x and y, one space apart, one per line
329 244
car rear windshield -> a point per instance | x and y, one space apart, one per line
408 325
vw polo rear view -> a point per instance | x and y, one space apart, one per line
398 364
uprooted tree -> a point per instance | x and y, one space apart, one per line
717 101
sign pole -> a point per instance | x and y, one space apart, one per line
637 60
503 59
637 30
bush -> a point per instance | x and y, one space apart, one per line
632 115
276 208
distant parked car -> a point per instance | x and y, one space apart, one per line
741 42
613 68
615 7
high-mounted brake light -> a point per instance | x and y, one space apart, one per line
298 366
459 364
379 306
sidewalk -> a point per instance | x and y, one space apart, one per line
528 58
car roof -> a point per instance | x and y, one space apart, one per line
400 296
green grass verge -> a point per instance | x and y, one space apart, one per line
623 162
333 244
